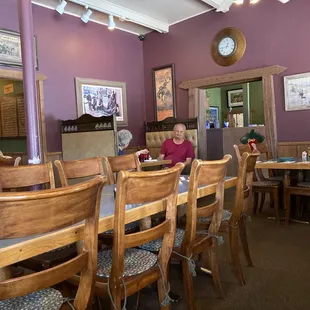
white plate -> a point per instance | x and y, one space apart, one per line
150 160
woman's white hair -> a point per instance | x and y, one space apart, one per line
124 137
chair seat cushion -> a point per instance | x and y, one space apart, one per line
265 183
226 216
47 299
128 227
135 261
304 184
155 245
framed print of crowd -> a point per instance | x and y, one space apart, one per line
164 92
102 98
10 49
235 98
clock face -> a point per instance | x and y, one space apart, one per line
226 46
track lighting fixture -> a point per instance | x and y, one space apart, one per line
111 24
60 8
86 15
255 1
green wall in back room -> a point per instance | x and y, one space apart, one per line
13 145
18 87
256 102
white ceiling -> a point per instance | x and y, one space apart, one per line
139 16
167 11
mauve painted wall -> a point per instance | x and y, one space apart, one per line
67 48
276 34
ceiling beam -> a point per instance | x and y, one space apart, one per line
220 5
107 7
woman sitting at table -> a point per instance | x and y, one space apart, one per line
124 138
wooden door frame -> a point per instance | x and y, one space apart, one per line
14 74
196 108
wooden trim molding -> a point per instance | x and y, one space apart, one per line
18 75
236 77
265 74
270 114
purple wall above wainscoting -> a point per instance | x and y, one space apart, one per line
67 48
276 34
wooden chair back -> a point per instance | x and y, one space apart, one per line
205 173
28 175
43 212
76 169
139 188
240 149
9 161
261 147
244 187
115 164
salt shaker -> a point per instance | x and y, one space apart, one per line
304 156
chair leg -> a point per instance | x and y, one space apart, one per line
271 200
234 250
244 242
161 289
276 204
287 197
216 270
255 202
137 300
116 293
188 285
262 201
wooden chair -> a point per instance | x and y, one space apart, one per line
77 169
301 188
21 178
234 221
261 184
23 217
115 164
26 176
124 270
9 161
191 242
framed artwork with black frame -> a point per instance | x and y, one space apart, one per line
164 92
235 98
11 51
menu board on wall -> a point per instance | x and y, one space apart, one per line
21 116
9 117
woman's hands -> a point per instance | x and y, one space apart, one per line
144 151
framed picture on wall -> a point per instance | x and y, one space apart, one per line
235 98
297 92
164 92
102 98
11 51
214 114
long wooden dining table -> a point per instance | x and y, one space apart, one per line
16 250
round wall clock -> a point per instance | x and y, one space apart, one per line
228 46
